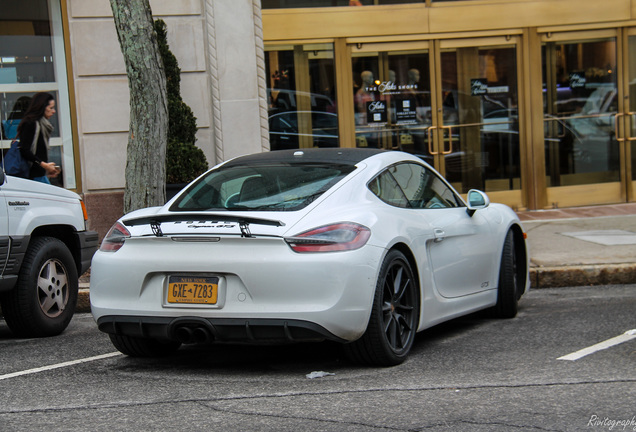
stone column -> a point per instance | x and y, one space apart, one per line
236 71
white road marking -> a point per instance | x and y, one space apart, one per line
59 365
628 335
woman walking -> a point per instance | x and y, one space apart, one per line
34 131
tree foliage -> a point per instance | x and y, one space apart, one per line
148 135
184 160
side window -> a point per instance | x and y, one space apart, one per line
387 189
418 188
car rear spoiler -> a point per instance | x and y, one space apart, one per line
243 221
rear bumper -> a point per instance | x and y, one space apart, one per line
263 287
210 330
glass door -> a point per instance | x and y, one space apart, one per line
629 115
580 110
301 96
392 97
477 124
452 103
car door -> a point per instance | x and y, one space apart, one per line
462 254
460 250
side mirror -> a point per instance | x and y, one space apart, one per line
476 200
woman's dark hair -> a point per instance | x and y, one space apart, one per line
19 108
36 108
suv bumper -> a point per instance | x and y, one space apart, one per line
88 243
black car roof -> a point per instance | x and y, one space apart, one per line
347 156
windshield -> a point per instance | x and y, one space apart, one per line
272 187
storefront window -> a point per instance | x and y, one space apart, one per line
475 142
580 103
32 60
392 100
632 102
480 114
301 96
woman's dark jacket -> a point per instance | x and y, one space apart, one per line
41 152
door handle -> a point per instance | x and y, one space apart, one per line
429 132
450 140
440 235
617 117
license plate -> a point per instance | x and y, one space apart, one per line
193 289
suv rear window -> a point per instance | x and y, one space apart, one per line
270 187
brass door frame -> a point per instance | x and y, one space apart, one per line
586 194
625 117
443 133
383 50
439 134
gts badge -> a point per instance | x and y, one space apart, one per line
222 225
485 284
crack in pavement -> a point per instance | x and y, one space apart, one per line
115 405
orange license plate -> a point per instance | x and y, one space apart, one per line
193 289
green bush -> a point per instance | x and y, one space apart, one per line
184 160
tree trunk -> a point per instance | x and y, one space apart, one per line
146 154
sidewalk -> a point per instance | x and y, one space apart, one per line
582 246
569 247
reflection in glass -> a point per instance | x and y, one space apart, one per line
632 101
580 103
301 103
392 101
26 51
480 119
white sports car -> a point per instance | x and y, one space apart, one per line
364 247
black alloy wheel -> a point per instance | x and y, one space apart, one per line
394 317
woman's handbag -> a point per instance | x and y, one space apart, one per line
14 164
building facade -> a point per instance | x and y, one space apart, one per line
532 101
70 48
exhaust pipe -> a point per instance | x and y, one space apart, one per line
191 330
184 334
200 335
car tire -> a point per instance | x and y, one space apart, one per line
508 287
390 333
143 347
43 301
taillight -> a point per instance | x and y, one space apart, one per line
331 238
115 238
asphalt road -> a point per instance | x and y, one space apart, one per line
473 374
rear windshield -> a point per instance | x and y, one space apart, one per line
272 187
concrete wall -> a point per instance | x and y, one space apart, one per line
217 44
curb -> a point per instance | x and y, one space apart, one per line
582 275
540 277
83 298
